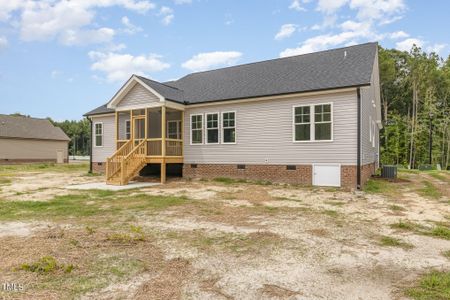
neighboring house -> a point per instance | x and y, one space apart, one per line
310 119
25 139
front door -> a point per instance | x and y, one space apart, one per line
138 130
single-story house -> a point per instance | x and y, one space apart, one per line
311 119
24 139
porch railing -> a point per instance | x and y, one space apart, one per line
113 163
174 147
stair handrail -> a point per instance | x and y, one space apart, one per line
113 162
132 156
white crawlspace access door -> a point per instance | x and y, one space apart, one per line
327 174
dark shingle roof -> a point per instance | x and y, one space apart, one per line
30 128
100 110
330 69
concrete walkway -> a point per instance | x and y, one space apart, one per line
104 186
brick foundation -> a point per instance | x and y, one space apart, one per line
274 173
348 175
99 167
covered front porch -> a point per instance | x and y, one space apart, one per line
151 135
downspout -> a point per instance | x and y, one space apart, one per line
90 147
358 155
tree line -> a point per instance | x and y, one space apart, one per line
415 96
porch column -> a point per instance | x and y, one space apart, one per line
163 144
116 114
145 130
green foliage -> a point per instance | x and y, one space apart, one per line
45 265
432 286
79 134
415 91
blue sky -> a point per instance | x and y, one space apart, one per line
63 58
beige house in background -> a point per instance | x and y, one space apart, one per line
311 119
25 139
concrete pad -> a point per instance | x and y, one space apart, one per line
107 187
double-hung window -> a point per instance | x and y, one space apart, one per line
313 123
212 128
98 130
322 122
229 127
197 129
127 129
302 123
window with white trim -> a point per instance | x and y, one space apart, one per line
322 122
229 127
127 129
98 132
302 123
313 123
197 129
174 129
212 128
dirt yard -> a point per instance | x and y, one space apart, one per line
221 239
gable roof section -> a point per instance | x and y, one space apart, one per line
331 69
30 128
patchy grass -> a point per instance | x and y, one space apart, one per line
432 286
440 232
388 241
331 213
226 180
85 205
439 175
446 254
429 191
381 186
396 208
45 265
47 167
401 225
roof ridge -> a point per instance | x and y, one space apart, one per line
158 82
279 58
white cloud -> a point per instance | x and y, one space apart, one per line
71 22
3 42
436 48
352 34
179 2
55 74
328 22
129 27
296 5
209 60
286 31
330 6
407 44
398 35
119 67
167 15
86 37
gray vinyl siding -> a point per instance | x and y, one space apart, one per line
369 115
138 95
99 154
264 133
14 148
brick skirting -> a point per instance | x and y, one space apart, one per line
274 173
99 167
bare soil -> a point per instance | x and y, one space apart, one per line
227 241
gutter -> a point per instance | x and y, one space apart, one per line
358 154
